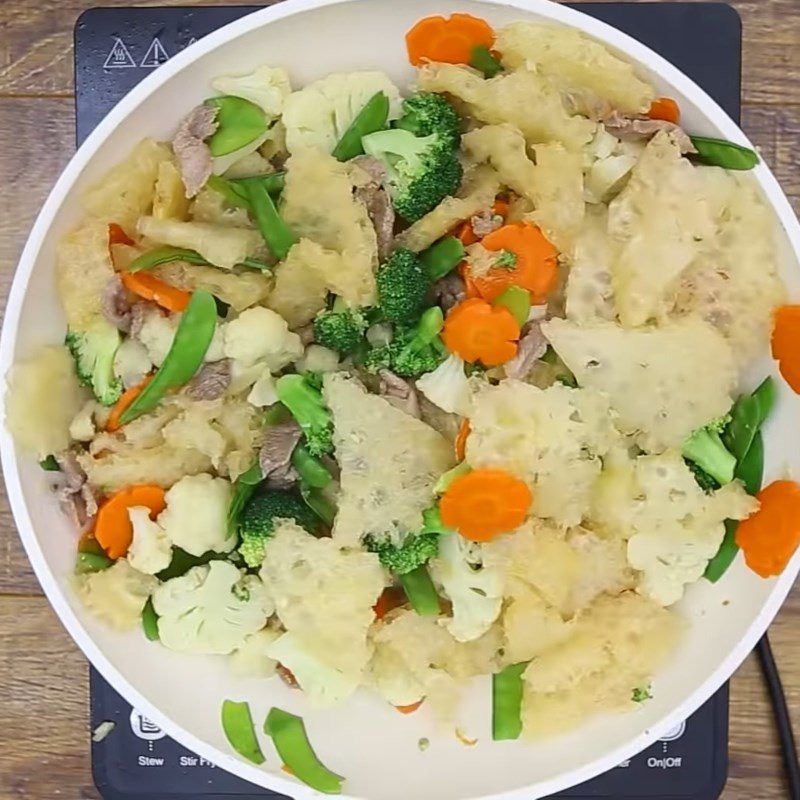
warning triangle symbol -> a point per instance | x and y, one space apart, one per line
119 57
156 55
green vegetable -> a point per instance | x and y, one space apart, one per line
413 351
518 301
416 550
726 554
371 118
240 731
421 592
49 464
721 153
150 621
443 484
323 507
341 328
310 469
506 260
165 255
239 122
507 702
706 449
185 356
259 517
92 562
443 257
749 413
277 234
235 193
94 350
403 286
427 114
288 734
483 60
704 480
642 693
182 562
421 171
244 488
304 401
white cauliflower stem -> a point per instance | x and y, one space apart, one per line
151 549
447 386
259 335
117 594
267 87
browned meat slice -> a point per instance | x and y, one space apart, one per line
74 494
484 223
634 128
400 393
374 167
532 346
117 305
275 456
211 381
378 203
194 157
449 291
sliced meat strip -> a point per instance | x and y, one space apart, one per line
211 381
138 316
532 346
634 128
399 392
275 456
117 304
449 291
193 154
376 199
76 497
374 167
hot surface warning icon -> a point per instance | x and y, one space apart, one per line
119 57
156 55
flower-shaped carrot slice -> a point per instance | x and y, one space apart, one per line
450 40
477 331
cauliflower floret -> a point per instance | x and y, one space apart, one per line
553 439
156 334
116 595
319 114
132 360
531 626
323 596
267 87
82 427
264 392
474 589
261 335
390 462
213 608
195 518
663 383
151 549
447 386
250 659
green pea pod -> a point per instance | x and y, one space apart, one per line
92 562
166 255
288 733
483 60
443 257
49 464
726 554
277 234
370 119
518 301
318 503
185 356
240 731
749 413
507 702
234 194
182 562
244 488
150 621
273 182
725 154
239 122
421 592
310 469
766 395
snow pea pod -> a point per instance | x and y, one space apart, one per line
749 413
244 488
277 234
310 469
507 702
150 621
725 154
443 257
370 119
319 503
483 60
239 122
288 733
237 723
518 301
185 356
165 255
421 592
92 562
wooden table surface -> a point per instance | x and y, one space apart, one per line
44 737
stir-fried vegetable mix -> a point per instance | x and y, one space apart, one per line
386 386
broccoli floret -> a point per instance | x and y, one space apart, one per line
421 170
303 397
416 550
403 286
259 518
341 329
413 351
705 449
426 113
704 480
94 350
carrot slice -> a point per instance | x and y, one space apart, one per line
665 108
151 288
461 440
478 331
448 40
770 537
392 597
485 503
410 709
127 397
786 344
113 528
466 233
536 267
117 235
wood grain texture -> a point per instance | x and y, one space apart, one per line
44 736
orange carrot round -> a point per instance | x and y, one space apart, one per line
410 709
665 108
485 503
536 267
786 344
392 597
478 331
467 234
149 287
450 40
461 440
113 528
770 537
127 397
